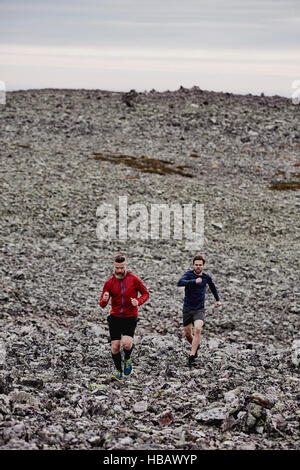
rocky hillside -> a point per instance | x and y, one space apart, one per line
64 154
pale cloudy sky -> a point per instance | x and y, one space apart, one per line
240 46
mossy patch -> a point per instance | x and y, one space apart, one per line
23 146
285 186
145 164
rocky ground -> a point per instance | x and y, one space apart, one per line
64 154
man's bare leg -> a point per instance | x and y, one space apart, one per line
127 342
115 346
197 336
188 333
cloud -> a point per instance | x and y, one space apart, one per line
195 38
217 61
31 53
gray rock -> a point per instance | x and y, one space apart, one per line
23 397
95 441
212 415
295 356
140 406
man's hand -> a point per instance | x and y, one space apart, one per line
134 302
218 304
105 296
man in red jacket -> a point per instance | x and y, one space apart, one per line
122 288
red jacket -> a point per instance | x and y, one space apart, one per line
121 291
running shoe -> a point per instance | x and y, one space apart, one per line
191 361
117 375
127 367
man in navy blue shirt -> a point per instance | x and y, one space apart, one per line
195 281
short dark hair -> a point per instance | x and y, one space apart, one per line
198 257
120 258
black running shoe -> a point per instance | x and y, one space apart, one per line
192 361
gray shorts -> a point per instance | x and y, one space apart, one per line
190 315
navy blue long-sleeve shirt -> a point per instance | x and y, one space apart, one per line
195 292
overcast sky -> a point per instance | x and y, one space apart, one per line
240 46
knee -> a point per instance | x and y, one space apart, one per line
127 343
115 347
198 330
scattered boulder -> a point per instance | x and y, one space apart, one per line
295 356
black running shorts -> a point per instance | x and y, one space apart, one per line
190 315
121 326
